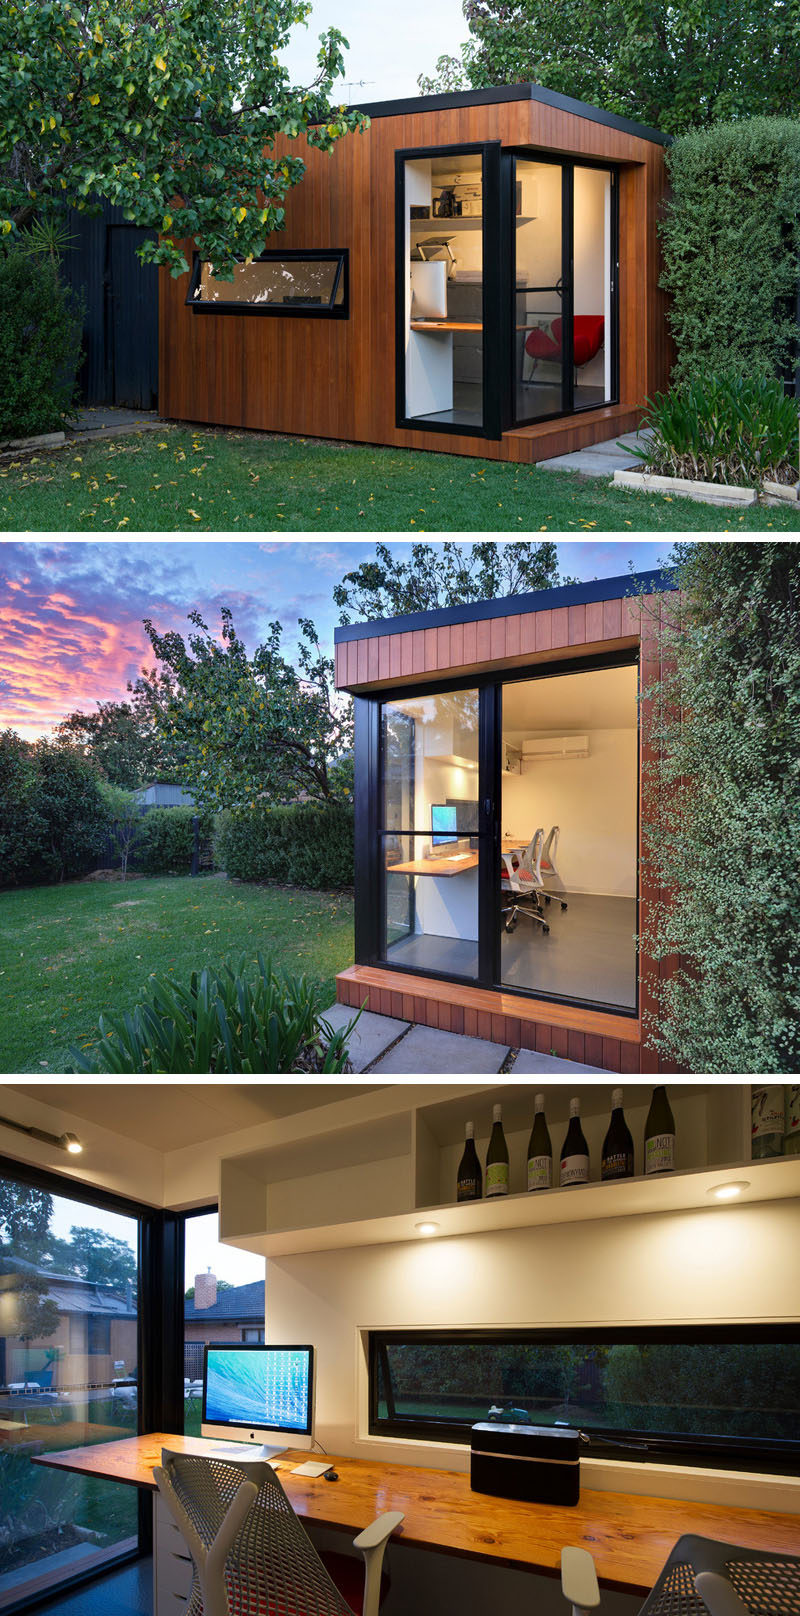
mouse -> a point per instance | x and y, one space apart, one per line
331 1475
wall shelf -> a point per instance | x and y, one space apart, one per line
371 1183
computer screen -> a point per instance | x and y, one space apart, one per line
444 821
250 1392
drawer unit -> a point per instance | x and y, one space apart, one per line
172 1563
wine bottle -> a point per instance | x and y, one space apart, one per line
575 1151
791 1136
497 1157
659 1134
767 1122
469 1184
540 1150
617 1157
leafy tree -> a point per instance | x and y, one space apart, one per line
94 1255
673 66
25 1215
721 807
125 821
68 799
34 1313
250 727
22 827
169 109
40 341
443 575
121 740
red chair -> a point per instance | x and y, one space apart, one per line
588 335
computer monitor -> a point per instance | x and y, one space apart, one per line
254 1393
444 821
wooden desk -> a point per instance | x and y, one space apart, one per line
628 1536
445 866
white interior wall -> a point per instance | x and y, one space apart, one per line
592 800
721 1265
592 267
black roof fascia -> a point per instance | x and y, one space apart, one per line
538 600
511 92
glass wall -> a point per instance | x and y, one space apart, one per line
539 290
443 256
68 1377
592 301
223 1302
429 832
569 828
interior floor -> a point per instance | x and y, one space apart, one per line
533 399
588 954
125 1592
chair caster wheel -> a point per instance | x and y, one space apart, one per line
546 930
546 898
564 908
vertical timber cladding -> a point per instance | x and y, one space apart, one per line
493 645
336 379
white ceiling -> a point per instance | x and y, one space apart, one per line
605 699
171 1115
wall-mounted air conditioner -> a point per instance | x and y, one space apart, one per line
546 747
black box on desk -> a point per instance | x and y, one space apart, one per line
537 1463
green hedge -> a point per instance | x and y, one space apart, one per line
40 340
53 820
731 239
305 845
165 840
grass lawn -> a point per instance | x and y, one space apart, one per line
216 481
69 953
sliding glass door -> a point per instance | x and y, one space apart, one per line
564 266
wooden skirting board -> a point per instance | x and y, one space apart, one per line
590 1037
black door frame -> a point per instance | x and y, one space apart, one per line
370 886
568 166
493 316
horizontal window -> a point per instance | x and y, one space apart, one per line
707 1396
276 283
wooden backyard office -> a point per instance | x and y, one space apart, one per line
483 730
475 273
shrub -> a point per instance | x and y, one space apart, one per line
305 845
53 819
720 810
40 336
731 238
165 840
248 1020
723 429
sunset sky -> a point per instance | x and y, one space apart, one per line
71 610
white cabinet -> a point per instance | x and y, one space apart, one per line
172 1564
366 1180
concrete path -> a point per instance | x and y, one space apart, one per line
382 1044
105 421
600 459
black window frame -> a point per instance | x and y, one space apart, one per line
370 918
160 1266
767 1455
313 311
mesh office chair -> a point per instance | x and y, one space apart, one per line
251 1556
525 884
702 1577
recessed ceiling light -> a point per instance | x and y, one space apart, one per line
427 1228
729 1192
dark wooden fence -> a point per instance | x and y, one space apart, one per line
120 296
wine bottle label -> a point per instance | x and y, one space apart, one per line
497 1179
574 1170
467 1190
659 1153
793 1108
767 1111
539 1172
617 1165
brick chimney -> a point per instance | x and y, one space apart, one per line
205 1290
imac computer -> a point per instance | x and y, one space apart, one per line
258 1393
444 822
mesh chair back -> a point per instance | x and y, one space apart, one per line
272 1568
767 1584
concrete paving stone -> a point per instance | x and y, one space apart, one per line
428 1050
370 1038
529 1061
